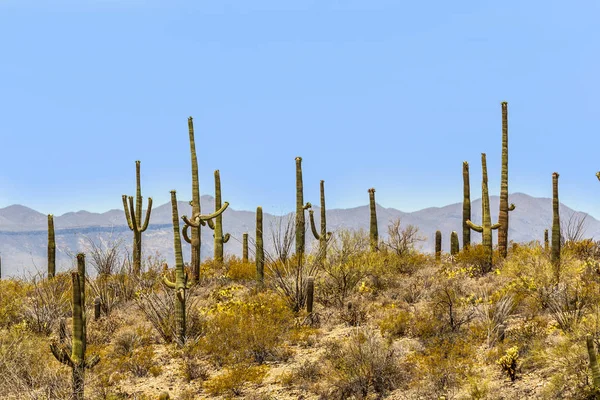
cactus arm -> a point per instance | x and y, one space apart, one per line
148 211
476 228
181 294
313 228
211 224
190 223
496 226
133 216
213 215
184 231
307 206
127 215
226 238
598 175
167 282
61 354
511 207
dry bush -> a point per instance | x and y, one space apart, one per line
47 301
453 304
474 257
240 271
396 322
13 295
232 380
493 314
402 241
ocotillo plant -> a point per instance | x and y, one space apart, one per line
245 247
454 246
593 362
134 219
504 207
260 251
300 208
77 360
217 226
438 245
546 240
486 226
466 206
324 236
373 235
555 257
51 248
195 240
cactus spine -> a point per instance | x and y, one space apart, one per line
555 257
260 251
486 226
245 247
466 206
300 207
593 362
51 248
77 360
195 240
374 236
454 246
218 224
324 236
546 240
134 219
438 245
504 207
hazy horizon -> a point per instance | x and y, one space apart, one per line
365 92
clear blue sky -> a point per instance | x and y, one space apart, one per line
386 94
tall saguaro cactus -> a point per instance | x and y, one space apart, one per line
245 247
555 257
51 248
466 206
486 226
77 359
454 246
300 208
324 236
374 236
217 226
195 240
134 219
504 207
438 245
260 251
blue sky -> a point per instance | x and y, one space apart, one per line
386 94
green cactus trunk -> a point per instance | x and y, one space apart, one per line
51 248
195 240
486 226
373 235
310 292
260 251
466 206
504 207
593 362
218 225
546 244
438 245
300 221
134 219
454 246
245 248
555 257
324 236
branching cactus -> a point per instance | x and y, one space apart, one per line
134 219
438 245
77 359
593 362
466 206
300 208
504 207
260 251
195 239
51 248
217 226
486 226
546 244
555 257
373 235
324 236
245 247
454 246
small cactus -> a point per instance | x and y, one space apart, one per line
454 246
555 256
438 245
245 247
260 251
51 248
546 244
373 234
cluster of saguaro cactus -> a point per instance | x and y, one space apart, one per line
454 246
217 226
324 236
77 359
438 245
260 251
51 248
466 206
373 234
486 226
504 207
245 247
555 256
134 219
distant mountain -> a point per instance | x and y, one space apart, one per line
23 231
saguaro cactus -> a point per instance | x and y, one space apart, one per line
374 236
466 206
324 236
77 360
260 251
438 245
134 219
454 246
593 362
546 240
504 207
217 226
245 247
555 257
195 240
300 207
486 226
51 248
